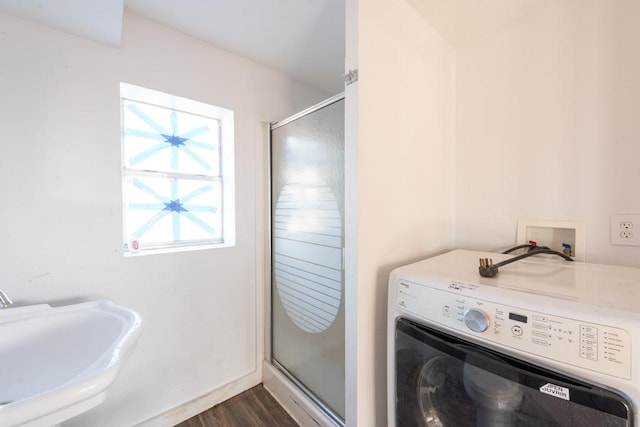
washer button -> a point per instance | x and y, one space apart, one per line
517 330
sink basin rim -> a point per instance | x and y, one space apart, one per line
87 389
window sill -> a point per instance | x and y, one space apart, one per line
174 249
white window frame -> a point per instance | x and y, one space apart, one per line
227 167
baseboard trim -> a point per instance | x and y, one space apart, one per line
296 403
200 404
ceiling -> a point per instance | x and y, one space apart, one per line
460 21
97 20
303 38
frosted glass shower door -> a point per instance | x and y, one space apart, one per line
307 236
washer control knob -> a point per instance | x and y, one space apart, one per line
476 320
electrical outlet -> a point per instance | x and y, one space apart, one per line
624 231
554 234
626 234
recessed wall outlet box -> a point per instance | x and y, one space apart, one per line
554 234
625 229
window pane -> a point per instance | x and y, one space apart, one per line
162 210
161 139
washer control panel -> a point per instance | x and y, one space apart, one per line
592 346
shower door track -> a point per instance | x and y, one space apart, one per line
310 395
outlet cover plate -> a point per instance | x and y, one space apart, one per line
625 229
553 234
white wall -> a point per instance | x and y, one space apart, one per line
60 205
547 125
401 206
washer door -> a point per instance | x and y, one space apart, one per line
442 381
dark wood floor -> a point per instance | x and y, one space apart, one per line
253 408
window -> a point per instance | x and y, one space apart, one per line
177 173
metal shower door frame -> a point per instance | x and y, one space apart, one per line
268 275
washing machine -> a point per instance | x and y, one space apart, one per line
546 342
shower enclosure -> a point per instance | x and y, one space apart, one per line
307 241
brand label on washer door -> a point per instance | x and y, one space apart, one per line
555 390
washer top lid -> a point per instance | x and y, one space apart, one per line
595 284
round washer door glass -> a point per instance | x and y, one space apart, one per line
440 393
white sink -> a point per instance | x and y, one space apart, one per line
57 362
